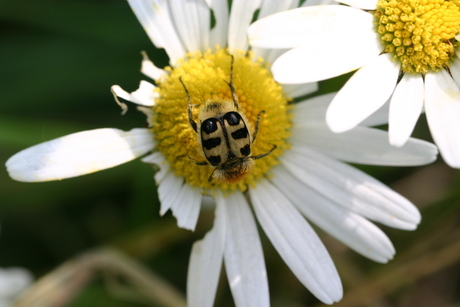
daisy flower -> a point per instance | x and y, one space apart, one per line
406 52
221 127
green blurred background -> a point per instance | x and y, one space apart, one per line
58 61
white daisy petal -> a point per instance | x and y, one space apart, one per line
79 154
354 189
455 69
192 19
318 2
268 8
269 55
13 281
149 69
271 7
312 110
218 35
361 4
405 108
186 207
364 93
293 28
379 117
206 262
363 145
167 191
144 95
155 18
244 260
298 90
348 227
158 159
240 19
296 242
310 62
442 105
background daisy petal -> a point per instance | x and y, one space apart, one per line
379 117
244 260
405 108
299 90
79 154
241 16
361 4
206 261
218 35
351 188
269 8
348 227
310 62
155 18
318 2
294 28
192 19
455 69
363 94
314 109
363 145
296 242
442 106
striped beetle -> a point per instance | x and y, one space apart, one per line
223 133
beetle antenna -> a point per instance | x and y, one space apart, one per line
230 84
189 107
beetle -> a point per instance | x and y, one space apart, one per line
224 134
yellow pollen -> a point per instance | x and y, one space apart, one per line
419 33
205 76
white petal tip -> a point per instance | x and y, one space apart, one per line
397 142
337 126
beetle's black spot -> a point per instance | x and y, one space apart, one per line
211 143
214 160
246 150
209 125
240 134
232 118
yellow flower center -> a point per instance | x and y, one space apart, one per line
205 76
420 33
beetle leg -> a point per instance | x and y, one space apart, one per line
193 161
265 154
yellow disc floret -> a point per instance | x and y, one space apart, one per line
205 76
420 33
